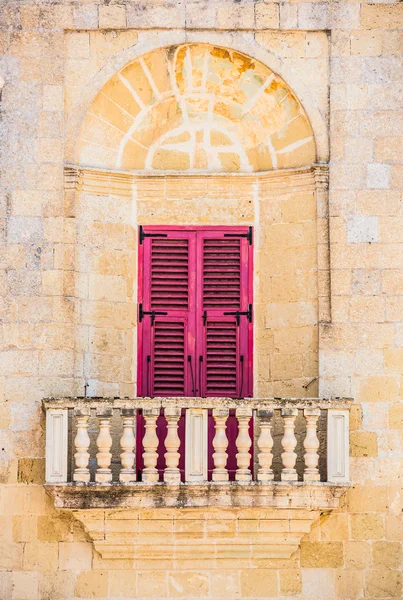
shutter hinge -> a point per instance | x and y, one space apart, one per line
143 235
248 235
238 313
142 313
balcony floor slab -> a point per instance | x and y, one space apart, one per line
315 496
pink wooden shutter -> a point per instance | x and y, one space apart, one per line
224 312
167 312
195 329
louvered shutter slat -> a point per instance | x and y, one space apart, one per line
169 273
221 273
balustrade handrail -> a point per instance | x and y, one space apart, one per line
196 402
257 422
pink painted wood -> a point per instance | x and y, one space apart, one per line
215 353
167 340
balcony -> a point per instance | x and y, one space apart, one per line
117 462
194 452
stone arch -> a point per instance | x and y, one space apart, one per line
196 107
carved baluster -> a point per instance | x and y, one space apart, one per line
311 445
289 443
128 442
220 444
82 443
104 444
150 444
265 445
243 444
172 473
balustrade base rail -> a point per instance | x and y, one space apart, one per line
284 495
251 446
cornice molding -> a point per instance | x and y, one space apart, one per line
121 183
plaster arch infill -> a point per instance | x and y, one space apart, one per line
242 43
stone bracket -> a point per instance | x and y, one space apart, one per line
252 520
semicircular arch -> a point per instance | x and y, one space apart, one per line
195 107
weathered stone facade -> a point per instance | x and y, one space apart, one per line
94 143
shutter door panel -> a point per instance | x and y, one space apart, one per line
223 288
193 282
168 338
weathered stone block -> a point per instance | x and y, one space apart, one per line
318 583
25 585
362 229
259 587
92 584
31 470
321 554
290 582
40 556
363 443
367 526
387 555
181 584
384 582
378 176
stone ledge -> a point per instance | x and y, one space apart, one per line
126 521
312 496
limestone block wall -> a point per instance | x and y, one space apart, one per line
342 61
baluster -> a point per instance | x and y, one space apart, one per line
172 474
104 443
150 444
243 444
289 443
311 445
220 444
82 443
128 442
265 445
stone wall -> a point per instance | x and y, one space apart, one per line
341 59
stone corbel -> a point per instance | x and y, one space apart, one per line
272 529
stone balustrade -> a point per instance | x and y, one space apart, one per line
176 441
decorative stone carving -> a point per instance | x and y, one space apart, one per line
150 444
311 445
82 443
265 445
243 444
172 473
289 442
104 444
220 444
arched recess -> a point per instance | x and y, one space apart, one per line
195 107
191 112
